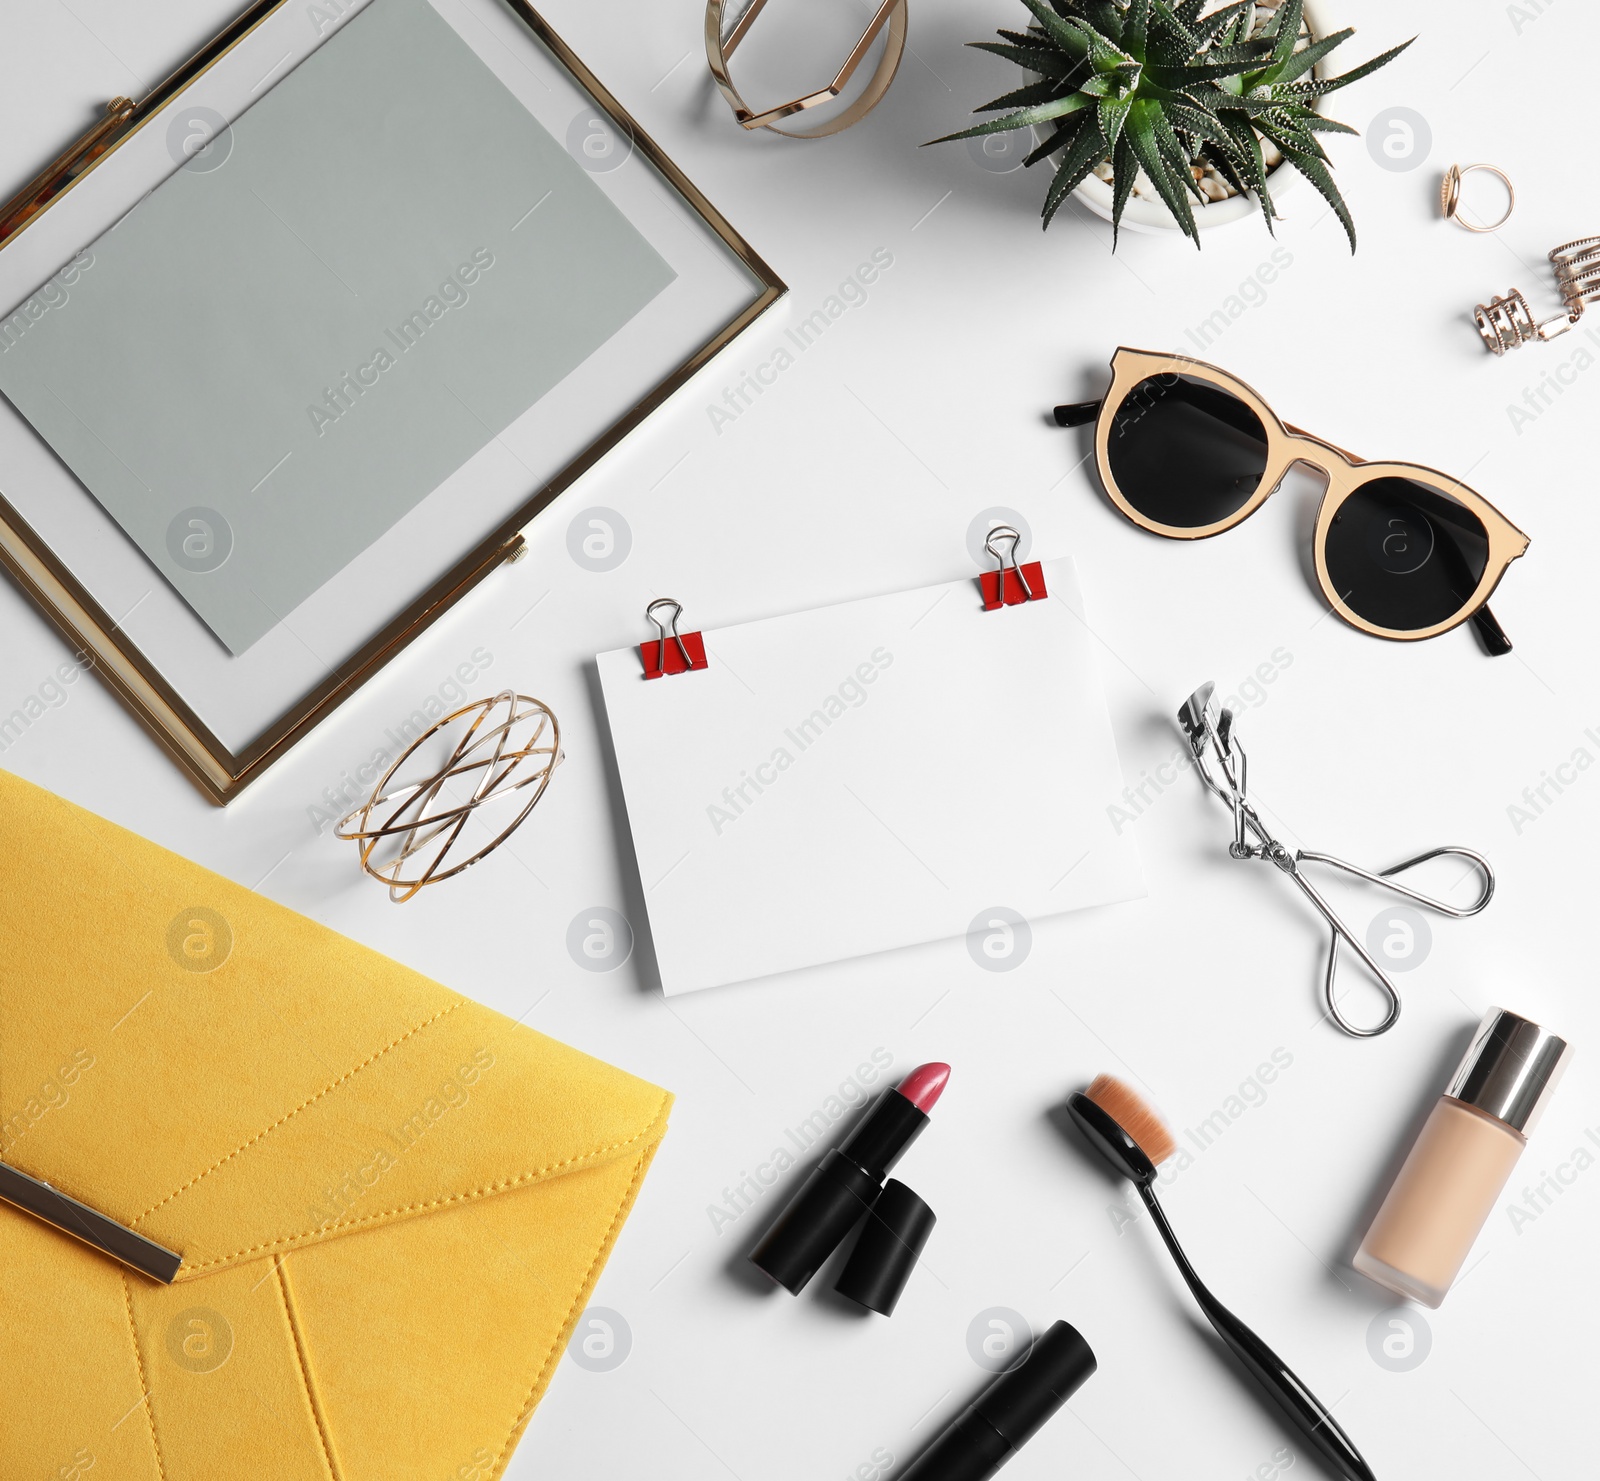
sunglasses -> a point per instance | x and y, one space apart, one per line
1402 551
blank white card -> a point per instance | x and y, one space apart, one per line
869 776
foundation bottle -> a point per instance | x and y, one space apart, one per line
1463 1158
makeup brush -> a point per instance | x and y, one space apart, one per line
1130 1136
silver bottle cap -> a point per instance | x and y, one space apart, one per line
1510 1070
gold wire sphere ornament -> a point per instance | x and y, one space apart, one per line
511 742
1450 196
720 47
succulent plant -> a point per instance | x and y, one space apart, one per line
1162 88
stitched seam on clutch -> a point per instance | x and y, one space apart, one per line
144 1383
623 1203
305 1372
289 1115
412 1208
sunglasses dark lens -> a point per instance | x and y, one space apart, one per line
1405 556
1186 453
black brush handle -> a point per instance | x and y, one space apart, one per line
1264 1365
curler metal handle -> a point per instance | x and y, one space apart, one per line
1220 760
1386 880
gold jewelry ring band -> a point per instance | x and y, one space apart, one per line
719 48
1450 196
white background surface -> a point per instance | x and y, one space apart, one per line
858 471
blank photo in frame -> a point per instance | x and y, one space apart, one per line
290 366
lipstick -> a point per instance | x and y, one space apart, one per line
847 1182
1010 1411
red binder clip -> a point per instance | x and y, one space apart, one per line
1012 583
671 654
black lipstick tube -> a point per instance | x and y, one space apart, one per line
844 1186
1010 1411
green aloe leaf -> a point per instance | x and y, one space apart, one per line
1301 62
1104 52
1023 118
1135 27
1140 133
1225 165
1202 125
1254 167
1113 113
1065 134
1286 33
1169 40
1176 77
1282 130
1023 97
1317 173
1355 74
1255 50
1214 25
1308 120
1032 40
1113 84
1066 35
1105 17
1033 58
1157 92
1124 171
1021 38
1083 154
1173 154
1247 108
1207 95
1317 124
1298 91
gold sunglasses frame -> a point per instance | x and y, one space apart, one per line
1287 446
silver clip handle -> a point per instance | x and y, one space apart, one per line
663 629
1006 532
1220 759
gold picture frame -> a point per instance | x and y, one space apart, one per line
220 772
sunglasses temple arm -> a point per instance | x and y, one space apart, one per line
1493 637
1077 413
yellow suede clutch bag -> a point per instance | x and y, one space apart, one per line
391 1204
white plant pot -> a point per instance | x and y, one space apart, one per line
1152 218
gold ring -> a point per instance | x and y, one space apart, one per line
719 48
1450 196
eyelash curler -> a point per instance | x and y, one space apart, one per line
1220 759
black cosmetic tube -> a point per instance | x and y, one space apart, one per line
1009 1412
844 1186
